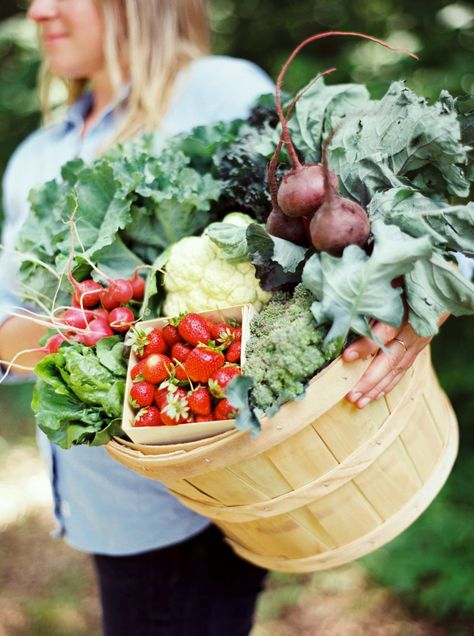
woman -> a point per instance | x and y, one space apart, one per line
134 65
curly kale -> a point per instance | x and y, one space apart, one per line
285 349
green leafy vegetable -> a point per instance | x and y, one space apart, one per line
355 287
78 396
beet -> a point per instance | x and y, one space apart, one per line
301 190
291 229
339 222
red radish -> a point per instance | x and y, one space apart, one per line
87 293
121 319
100 312
97 329
138 285
119 292
338 222
77 318
53 343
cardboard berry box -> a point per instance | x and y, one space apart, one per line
191 431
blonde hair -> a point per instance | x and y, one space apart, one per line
147 42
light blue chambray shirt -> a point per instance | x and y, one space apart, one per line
100 505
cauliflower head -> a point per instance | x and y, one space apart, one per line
198 278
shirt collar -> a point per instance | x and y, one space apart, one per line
78 111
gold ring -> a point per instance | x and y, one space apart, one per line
402 342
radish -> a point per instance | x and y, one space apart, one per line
119 292
75 317
121 319
138 286
302 189
53 343
97 329
86 293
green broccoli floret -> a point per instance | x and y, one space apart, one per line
285 349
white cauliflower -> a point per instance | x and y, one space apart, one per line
198 278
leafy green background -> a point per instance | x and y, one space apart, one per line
431 564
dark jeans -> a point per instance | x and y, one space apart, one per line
195 588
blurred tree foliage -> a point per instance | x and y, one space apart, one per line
429 564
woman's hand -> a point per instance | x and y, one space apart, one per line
386 369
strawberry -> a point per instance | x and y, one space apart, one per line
224 410
146 341
223 333
233 352
141 394
149 416
203 418
202 362
199 401
176 410
238 332
156 368
160 397
180 351
194 329
171 334
136 371
221 378
180 373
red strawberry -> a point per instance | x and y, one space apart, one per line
136 371
141 394
156 368
146 341
160 397
238 332
180 373
176 410
199 401
194 329
233 352
149 416
221 378
171 334
202 362
223 333
203 418
224 410
180 351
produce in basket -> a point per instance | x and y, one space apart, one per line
404 161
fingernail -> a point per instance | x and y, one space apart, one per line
380 396
351 356
363 402
353 397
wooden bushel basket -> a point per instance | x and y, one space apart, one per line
323 483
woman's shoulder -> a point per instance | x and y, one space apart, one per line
216 87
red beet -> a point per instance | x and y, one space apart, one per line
291 229
338 222
301 190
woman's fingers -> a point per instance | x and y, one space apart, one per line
387 368
365 347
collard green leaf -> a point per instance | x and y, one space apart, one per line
355 287
399 137
237 392
110 352
448 226
231 239
432 287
